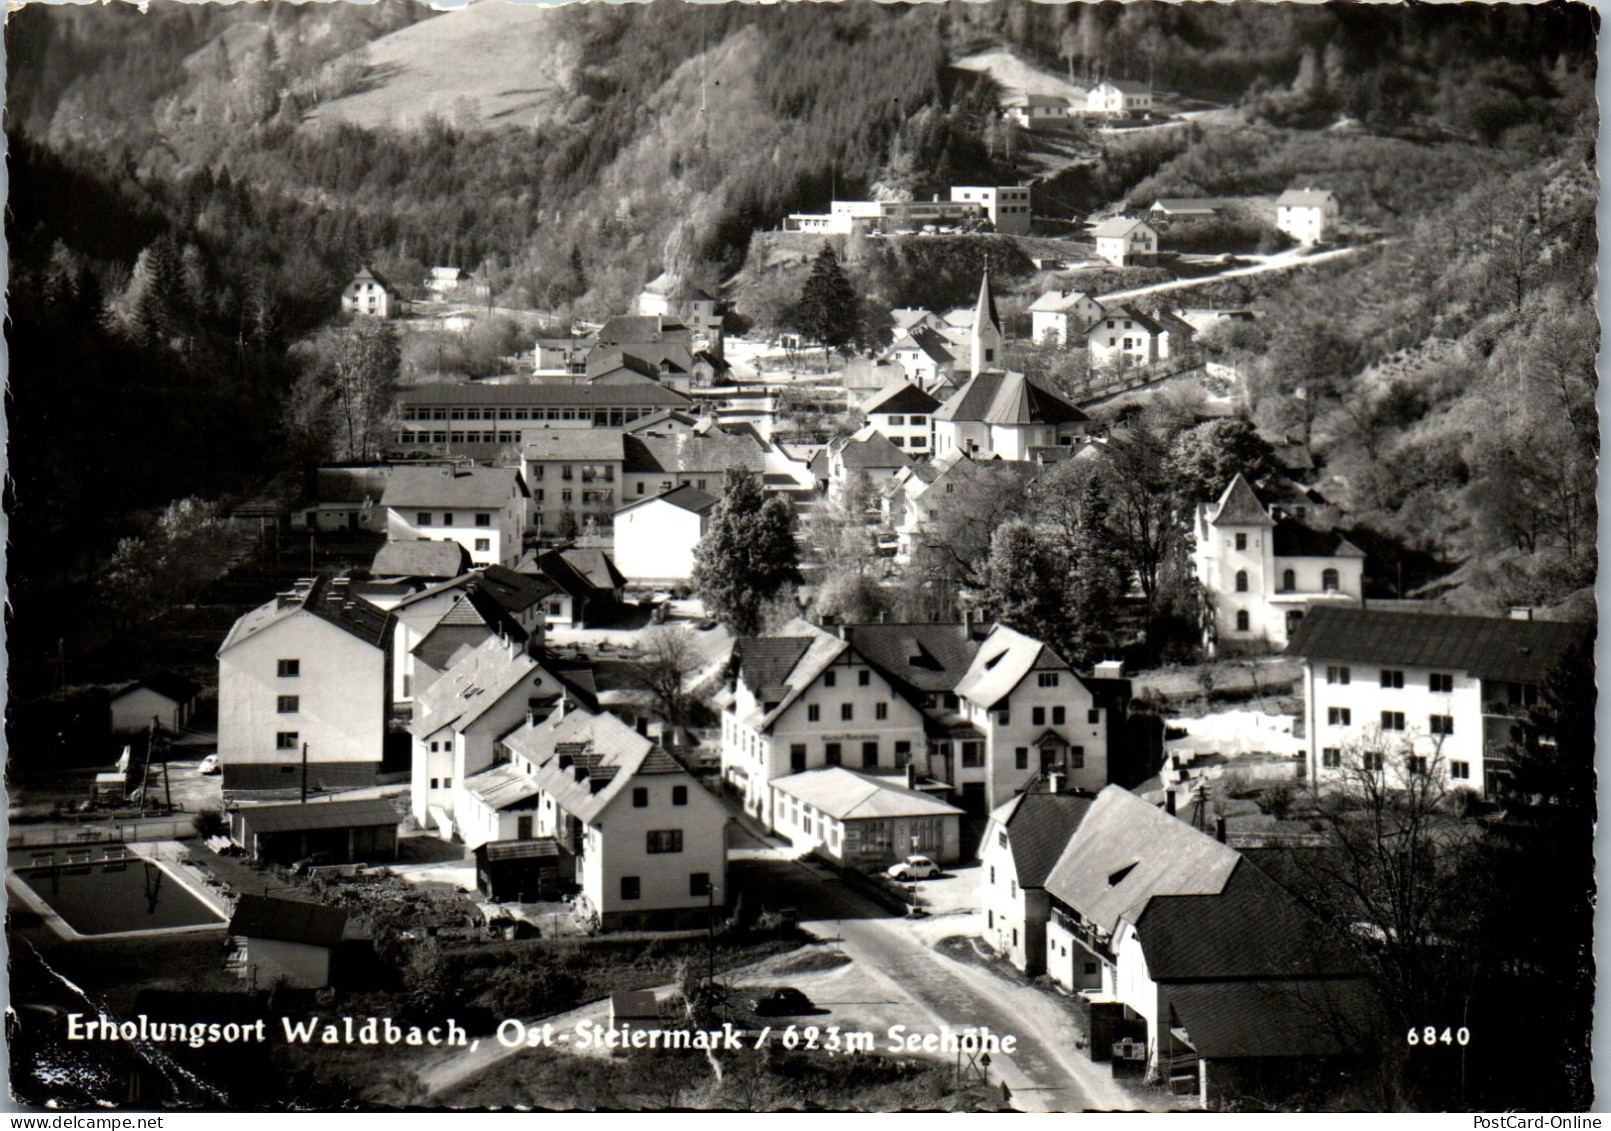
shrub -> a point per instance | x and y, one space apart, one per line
208 822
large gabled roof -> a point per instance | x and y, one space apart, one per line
690 499
589 445
477 682
1002 662
995 397
764 663
1292 539
923 657
638 329
585 760
374 813
1125 852
905 397
548 392
868 448
848 796
577 573
821 650
423 557
1058 302
1239 506
329 600
461 486
1304 198
1117 227
1492 648
1039 826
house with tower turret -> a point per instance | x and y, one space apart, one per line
1262 570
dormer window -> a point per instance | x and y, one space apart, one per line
1117 878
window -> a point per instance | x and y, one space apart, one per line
700 485
813 713
1241 620
1339 716
797 757
1289 581
640 798
1331 757
1241 581
1020 758
829 678
1441 724
679 795
1460 771
869 755
434 783
864 678
699 883
973 753
1417 764
286 740
447 516
631 888
1241 541
1047 679
1037 716
903 754
1057 716
423 518
847 712
483 519
831 754
664 840
1093 716
483 545
880 710
288 704
1076 757
1440 681
1392 680
1329 581
897 421
1392 720
1337 675
290 668
1004 718
1373 761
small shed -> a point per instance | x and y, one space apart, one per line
343 831
523 871
167 698
285 941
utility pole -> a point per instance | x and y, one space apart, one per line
304 773
710 934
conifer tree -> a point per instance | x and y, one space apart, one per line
829 309
747 556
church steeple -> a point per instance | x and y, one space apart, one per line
986 335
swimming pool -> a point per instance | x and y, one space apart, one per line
107 896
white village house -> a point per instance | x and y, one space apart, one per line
1125 240
655 537
1308 215
483 509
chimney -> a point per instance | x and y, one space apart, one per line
1054 782
911 775
643 726
1219 828
1169 802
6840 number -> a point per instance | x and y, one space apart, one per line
1431 1036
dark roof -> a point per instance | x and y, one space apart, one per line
604 365
869 448
288 920
175 687
350 613
1039 829
1251 929
1239 506
513 591
591 445
548 392
764 662
318 815
594 566
1295 540
421 558
690 499
703 448
1230 1020
995 397
562 573
1518 651
664 423
647 356
901 398
923 657
633 329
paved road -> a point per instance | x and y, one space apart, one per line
1047 1073
1295 257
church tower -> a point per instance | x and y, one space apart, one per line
986 335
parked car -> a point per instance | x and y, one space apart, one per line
914 868
785 1001
210 765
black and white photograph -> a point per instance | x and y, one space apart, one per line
764 557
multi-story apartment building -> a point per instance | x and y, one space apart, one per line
646 842
1007 206
305 676
1263 572
575 472
905 414
1410 693
483 509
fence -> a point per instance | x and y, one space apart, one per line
115 832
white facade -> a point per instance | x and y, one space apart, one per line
1007 205
1356 713
368 296
491 535
1138 240
1307 215
1117 98
1122 340
1060 318
910 431
655 540
1008 918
